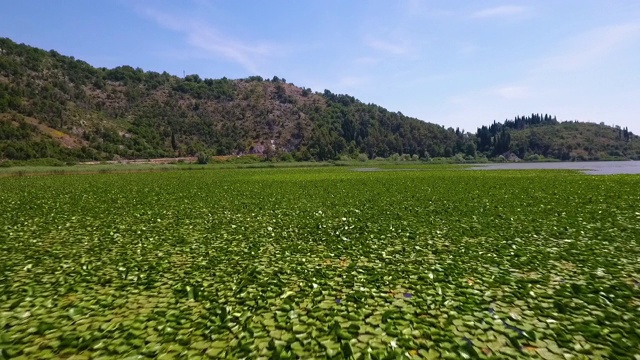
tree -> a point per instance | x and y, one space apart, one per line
484 139
470 149
501 142
10 153
202 158
269 152
174 143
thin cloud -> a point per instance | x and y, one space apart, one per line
513 92
499 11
592 47
387 46
352 81
207 38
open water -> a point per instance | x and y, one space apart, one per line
589 167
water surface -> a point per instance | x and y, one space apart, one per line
588 167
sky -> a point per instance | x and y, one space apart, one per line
455 63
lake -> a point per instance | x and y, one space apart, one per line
588 167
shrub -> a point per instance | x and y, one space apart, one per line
285 156
202 158
302 155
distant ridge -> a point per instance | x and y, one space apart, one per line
54 106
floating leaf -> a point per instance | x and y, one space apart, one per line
253 263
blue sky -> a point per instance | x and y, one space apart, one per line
455 63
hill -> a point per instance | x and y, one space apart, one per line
55 106
530 137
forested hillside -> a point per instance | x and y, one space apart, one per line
542 135
55 106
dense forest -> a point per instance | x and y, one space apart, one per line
55 106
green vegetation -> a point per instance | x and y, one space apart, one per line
54 106
60 107
537 136
322 262
54 167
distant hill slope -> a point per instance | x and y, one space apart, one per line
537 134
574 140
55 106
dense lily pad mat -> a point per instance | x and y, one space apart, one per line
320 263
